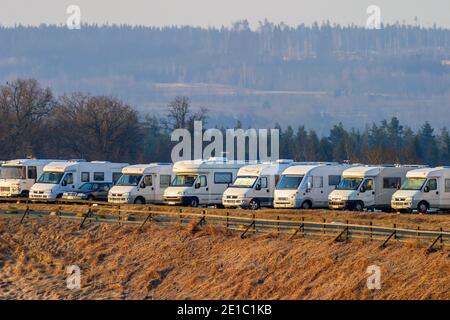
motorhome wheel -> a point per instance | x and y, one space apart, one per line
359 206
306 205
423 207
253 204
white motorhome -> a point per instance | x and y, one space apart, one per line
424 189
308 185
60 177
368 187
254 185
201 182
18 176
142 183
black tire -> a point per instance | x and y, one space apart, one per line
90 198
423 207
359 206
59 196
306 205
254 204
139 200
25 194
193 203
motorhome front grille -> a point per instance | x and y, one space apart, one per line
231 197
400 199
4 189
232 202
40 196
336 203
282 199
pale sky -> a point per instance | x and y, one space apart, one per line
223 12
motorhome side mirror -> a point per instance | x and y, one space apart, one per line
258 187
426 189
142 185
197 185
362 190
64 183
398 187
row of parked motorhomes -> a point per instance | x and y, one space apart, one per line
232 184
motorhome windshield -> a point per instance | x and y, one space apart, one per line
51 177
244 182
184 180
129 180
349 184
8 172
289 182
413 184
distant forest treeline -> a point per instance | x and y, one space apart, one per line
33 122
397 59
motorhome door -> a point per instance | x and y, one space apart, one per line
148 188
202 189
367 192
431 192
262 191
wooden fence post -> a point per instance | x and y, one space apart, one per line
254 223
278 226
228 220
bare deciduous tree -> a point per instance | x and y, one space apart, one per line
181 116
97 127
24 105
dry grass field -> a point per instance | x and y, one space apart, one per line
175 263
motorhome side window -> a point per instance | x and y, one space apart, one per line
334 180
447 185
432 184
392 183
69 178
223 178
164 180
202 180
85 177
263 182
32 173
148 181
368 184
99 176
317 182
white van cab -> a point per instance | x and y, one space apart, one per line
60 177
308 185
142 183
201 182
370 186
254 185
18 176
424 189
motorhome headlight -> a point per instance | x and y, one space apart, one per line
183 193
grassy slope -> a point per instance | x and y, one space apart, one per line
173 263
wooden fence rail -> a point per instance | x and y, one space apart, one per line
243 222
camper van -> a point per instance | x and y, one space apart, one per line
60 177
308 185
142 183
368 187
424 189
201 182
254 185
18 176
